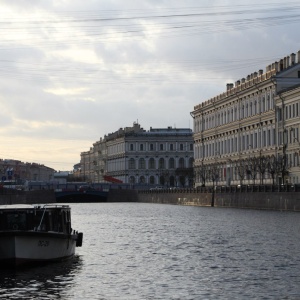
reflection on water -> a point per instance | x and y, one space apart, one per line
47 281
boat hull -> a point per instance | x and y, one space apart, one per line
23 248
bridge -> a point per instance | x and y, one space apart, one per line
73 196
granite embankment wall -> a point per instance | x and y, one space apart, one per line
29 197
122 195
283 201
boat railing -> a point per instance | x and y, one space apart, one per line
45 208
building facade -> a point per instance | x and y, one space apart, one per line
11 169
250 133
162 156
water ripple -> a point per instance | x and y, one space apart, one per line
148 251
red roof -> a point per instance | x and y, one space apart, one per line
112 179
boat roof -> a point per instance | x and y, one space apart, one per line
15 206
29 206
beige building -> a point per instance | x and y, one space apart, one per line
250 133
11 169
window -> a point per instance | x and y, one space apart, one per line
171 163
131 179
181 147
181 163
151 147
141 147
142 164
131 163
152 180
131 147
191 147
161 163
161 147
171 147
151 163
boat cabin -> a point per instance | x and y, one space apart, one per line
55 218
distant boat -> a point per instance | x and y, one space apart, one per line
36 234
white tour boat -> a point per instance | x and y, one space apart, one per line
36 234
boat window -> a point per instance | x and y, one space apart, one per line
16 221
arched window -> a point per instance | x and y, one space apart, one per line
142 164
131 179
181 162
268 102
171 163
142 179
161 163
151 163
172 180
152 180
191 161
131 163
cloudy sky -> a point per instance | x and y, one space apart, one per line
72 71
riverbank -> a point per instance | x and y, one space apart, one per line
281 201
28 197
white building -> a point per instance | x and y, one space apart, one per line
162 156
251 132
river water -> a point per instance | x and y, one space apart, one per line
156 251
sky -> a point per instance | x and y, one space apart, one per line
72 71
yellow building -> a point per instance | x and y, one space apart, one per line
250 133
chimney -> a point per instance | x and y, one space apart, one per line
284 62
293 57
298 57
281 65
229 86
260 72
255 74
243 80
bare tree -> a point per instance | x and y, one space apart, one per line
283 166
201 172
262 167
241 169
213 173
273 167
252 168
